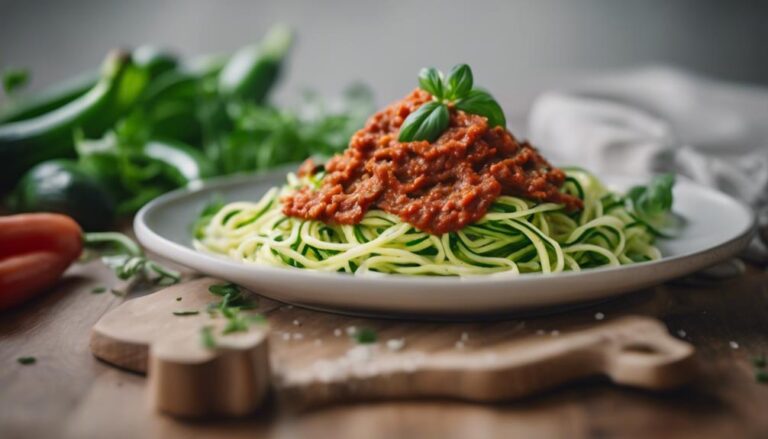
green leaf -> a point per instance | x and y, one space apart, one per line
14 79
426 123
431 81
652 205
480 102
460 81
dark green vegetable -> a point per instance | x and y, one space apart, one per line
154 60
136 170
62 186
151 123
14 79
25 143
253 70
49 99
186 313
430 120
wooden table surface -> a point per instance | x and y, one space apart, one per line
68 393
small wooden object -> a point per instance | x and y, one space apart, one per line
190 380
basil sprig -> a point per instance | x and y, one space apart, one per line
432 118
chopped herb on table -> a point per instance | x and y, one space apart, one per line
99 290
206 337
233 301
186 313
365 336
27 360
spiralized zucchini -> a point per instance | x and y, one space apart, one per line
516 235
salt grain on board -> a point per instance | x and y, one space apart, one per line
599 316
395 344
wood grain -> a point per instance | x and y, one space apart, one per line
68 393
190 380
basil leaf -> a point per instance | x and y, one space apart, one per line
652 206
460 81
480 102
431 81
426 123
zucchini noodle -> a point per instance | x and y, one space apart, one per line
516 235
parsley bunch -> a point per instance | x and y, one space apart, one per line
457 91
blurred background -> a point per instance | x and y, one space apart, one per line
630 88
517 48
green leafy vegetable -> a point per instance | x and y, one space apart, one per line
651 205
27 360
430 120
14 79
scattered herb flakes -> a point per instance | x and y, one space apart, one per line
178 299
27 360
206 337
186 313
365 336
116 292
99 290
224 289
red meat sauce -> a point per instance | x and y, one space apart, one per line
438 187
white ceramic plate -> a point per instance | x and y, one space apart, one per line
717 228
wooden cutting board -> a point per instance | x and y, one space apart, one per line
306 358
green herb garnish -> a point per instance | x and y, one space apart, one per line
178 299
99 290
366 336
14 79
186 313
27 360
759 362
206 337
651 205
761 376
128 260
232 302
430 120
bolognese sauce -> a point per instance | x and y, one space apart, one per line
437 187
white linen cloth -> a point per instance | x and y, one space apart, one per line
660 119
